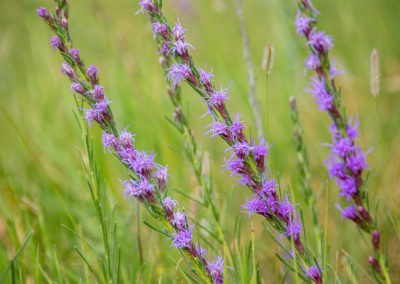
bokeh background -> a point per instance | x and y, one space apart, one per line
43 187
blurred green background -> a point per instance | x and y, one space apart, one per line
41 176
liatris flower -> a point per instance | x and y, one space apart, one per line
314 274
347 162
176 73
148 180
247 162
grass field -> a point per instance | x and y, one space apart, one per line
42 178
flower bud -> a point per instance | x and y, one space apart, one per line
364 214
375 239
64 23
375 264
66 69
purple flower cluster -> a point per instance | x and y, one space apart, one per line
347 160
148 180
314 273
265 200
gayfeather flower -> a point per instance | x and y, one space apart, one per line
177 72
303 24
148 180
77 88
109 141
322 96
178 31
179 220
92 72
183 239
75 54
347 161
42 12
314 274
160 29
205 78
57 43
216 269
320 41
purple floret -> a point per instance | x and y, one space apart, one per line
183 238
216 269
314 274
177 72
218 128
178 31
179 221
159 29
302 24
312 62
323 99
319 41
109 141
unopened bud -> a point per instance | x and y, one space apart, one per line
64 24
162 60
178 114
66 69
375 239
364 214
375 264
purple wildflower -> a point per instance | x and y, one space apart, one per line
314 274
77 88
92 72
286 209
42 12
66 69
56 43
349 213
179 221
75 54
109 141
333 71
293 229
241 149
216 269
126 138
98 93
375 264
357 162
348 187
169 203
181 47
92 115
147 6
319 41
218 128
143 164
202 252
236 166
159 29
162 177
205 78
303 24
178 31
323 99
268 187
183 238
312 62
256 205
177 72
237 128
375 239
218 98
